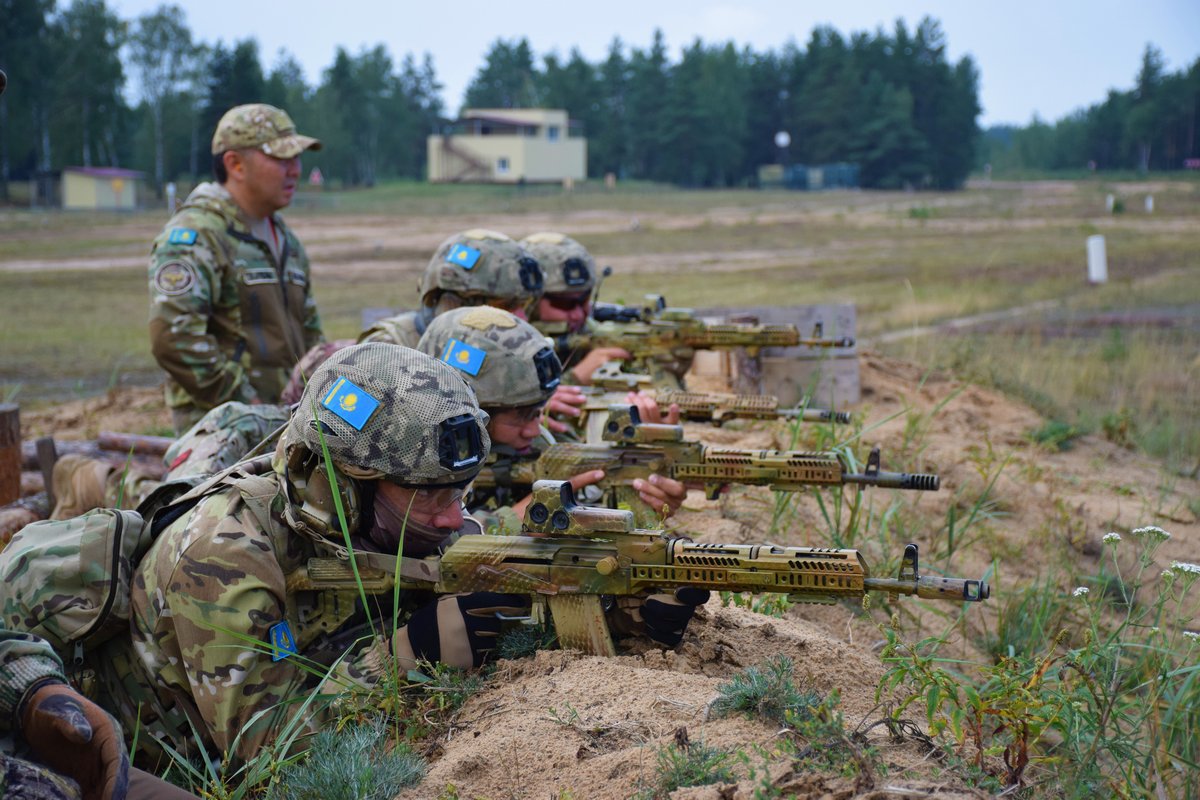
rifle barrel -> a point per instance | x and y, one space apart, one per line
913 481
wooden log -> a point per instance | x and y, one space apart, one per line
29 456
126 442
10 453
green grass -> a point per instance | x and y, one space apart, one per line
904 260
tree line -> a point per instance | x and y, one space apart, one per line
1152 126
892 102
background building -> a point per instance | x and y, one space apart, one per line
508 145
100 188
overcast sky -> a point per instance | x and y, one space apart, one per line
1044 57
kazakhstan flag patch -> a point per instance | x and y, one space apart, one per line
463 256
283 644
181 236
350 402
463 356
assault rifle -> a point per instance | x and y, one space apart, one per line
639 450
608 388
661 341
570 557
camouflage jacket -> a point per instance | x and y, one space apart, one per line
221 438
227 322
24 659
208 600
405 329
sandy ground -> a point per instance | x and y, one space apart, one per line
561 722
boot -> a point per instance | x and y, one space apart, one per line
79 484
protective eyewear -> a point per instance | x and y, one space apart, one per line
522 415
434 501
568 302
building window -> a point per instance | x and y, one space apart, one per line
502 166
552 132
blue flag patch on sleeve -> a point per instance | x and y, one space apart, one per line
463 256
283 644
350 402
463 356
182 236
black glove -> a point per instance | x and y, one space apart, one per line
75 737
459 630
662 617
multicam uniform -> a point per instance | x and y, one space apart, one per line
25 660
211 606
404 328
228 320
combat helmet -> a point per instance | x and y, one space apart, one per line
383 412
567 265
506 360
481 265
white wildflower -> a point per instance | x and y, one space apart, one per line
1152 532
1112 537
1080 591
1191 634
1184 566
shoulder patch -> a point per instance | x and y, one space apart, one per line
283 644
483 317
174 278
182 236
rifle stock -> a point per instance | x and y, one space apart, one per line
571 556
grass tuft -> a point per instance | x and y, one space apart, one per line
766 691
356 763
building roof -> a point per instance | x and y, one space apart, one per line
106 172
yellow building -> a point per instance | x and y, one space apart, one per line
508 145
100 188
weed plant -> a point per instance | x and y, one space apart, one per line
356 763
1106 708
694 764
766 691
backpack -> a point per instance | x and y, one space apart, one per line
68 581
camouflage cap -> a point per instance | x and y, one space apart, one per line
481 265
567 265
263 127
505 359
394 413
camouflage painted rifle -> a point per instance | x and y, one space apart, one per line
715 407
661 341
639 450
571 557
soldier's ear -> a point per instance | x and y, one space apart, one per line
235 164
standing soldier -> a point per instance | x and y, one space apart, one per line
231 305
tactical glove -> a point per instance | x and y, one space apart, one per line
662 617
458 630
75 737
